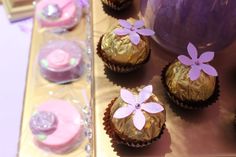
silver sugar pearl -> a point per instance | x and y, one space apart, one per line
87 121
137 106
87 110
52 11
89 133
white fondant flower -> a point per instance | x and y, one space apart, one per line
136 105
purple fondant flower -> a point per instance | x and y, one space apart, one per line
136 105
133 30
84 3
198 64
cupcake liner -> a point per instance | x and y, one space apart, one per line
116 6
234 121
117 67
190 104
115 139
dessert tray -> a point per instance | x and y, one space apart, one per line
78 92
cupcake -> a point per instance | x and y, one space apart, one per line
56 126
191 82
135 118
58 14
126 47
61 61
117 4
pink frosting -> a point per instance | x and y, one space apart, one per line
68 17
68 130
58 59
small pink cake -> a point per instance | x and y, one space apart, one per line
58 13
61 61
56 126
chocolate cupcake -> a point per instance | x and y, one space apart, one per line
117 4
191 82
135 118
126 47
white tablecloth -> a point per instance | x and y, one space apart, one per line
14 50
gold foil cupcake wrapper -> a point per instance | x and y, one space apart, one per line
192 105
117 67
116 7
115 139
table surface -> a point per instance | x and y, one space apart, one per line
14 48
208 132
203 133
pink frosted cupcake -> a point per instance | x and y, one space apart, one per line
57 126
61 61
61 14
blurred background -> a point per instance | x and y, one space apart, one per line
15 30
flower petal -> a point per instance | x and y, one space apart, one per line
192 51
139 24
145 32
210 70
127 97
84 3
207 56
121 31
139 119
134 38
152 107
123 112
144 94
185 60
125 24
194 72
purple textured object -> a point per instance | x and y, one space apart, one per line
133 30
198 64
43 123
65 73
209 24
136 105
52 12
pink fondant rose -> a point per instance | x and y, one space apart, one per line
58 59
136 105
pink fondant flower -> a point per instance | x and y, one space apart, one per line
198 64
133 30
136 105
